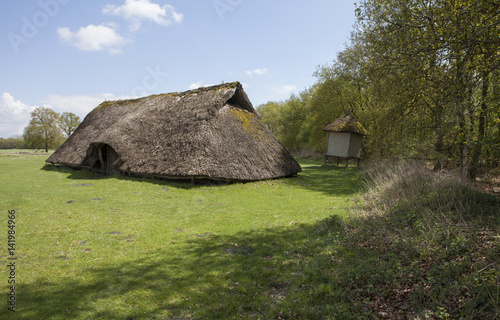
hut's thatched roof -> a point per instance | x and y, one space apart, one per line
211 132
346 123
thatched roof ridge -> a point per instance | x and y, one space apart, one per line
211 132
346 123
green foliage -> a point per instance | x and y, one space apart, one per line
43 131
415 245
328 101
12 143
437 61
68 122
422 78
270 114
286 121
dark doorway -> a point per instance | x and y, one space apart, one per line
104 156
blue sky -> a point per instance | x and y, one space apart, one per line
70 55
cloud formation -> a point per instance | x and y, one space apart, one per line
105 37
80 105
94 38
283 92
196 85
256 72
15 115
137 11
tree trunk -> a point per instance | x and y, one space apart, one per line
478 149
438 144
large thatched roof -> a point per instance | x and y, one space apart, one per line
346 123
211 132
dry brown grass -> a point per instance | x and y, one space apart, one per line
437 238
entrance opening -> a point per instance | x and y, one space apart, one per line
103 156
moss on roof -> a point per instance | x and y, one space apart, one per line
346 123
119 103
210 132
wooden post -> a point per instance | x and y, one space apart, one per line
103 165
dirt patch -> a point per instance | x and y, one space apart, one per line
244 251
27 153
206 234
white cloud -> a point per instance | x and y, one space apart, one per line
285 89
94 38
144 10
15 115
282 92
198 84
80 105
256 71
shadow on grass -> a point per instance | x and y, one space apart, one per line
74 174
397 265
216 277
329 180
330 269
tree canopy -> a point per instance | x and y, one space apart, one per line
420 75
68 122
46 127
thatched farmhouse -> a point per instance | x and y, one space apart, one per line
345 138
207 133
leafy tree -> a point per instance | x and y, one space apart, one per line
423 78
443 53
287 120
271 113
68 122
43 129
12 143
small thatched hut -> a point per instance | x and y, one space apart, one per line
345 138
207 133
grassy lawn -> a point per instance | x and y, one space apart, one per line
412 245
124 248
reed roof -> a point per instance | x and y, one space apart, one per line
212 132
346 123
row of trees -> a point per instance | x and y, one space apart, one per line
422 77
48 129
12 143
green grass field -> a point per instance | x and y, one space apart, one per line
309 247
124 248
